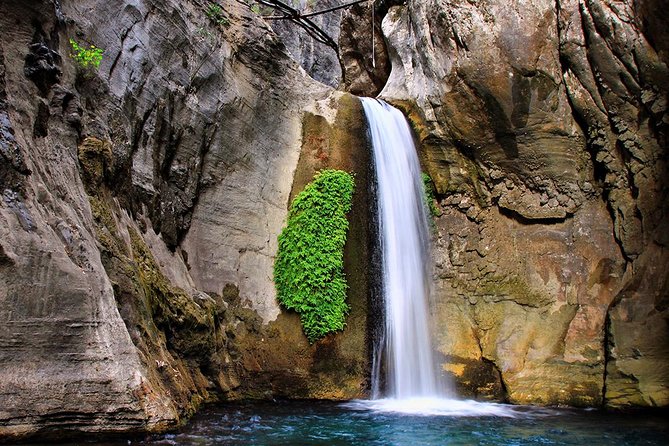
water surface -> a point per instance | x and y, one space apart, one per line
329 423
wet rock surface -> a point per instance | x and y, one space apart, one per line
543 126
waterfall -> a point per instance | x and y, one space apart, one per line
409 372
405 346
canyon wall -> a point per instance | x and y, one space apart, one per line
141 203
544 128
318 60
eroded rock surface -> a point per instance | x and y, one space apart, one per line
543 126
140 207
319 60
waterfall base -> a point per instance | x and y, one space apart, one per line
437 407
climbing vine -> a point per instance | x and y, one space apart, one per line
309 266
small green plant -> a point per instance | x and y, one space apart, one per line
260 9
430 195
309 266
86 57
215 13
205 35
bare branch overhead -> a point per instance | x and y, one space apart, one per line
303 20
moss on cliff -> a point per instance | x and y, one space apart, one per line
95 159
309 267
176 336
189 326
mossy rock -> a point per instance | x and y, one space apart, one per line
95 158
189 326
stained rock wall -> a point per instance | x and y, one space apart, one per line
140 207
543 126
320 61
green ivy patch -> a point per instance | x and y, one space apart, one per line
216 14
309 266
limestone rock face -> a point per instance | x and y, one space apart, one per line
140 207
61 333
363 51
528 301
487 81
337 367
543 125
361 65
319 60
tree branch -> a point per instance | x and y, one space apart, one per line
303 20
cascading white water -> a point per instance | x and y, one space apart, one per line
404 238
412 383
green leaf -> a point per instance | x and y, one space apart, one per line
86 57
430 195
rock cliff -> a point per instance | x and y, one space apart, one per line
141 202
140 207
320 61
544 128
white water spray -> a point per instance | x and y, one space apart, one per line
412 383
404 234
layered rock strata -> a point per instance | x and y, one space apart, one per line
543 126
141 204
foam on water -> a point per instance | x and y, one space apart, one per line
424 406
